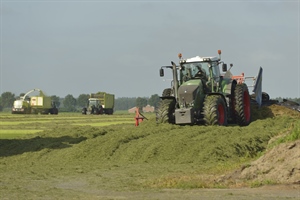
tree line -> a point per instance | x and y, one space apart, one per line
71 104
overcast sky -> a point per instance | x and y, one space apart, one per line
80 47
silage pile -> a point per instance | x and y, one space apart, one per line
280 163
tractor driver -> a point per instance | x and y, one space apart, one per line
201 73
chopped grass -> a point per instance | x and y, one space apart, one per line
109 152
103 123
294 134
9 134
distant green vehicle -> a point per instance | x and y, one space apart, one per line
199 93
100 103
40 104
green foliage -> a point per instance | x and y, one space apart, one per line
1 107
125 103
56 100
141 102
82 100
154 100
7 99
21 94
69 103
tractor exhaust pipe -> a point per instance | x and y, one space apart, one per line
175 78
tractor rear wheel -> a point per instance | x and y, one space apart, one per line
165 111
215 112
242 105
167 92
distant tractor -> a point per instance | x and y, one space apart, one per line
40 104
199 94
100 103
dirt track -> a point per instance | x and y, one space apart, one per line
266 192
75 192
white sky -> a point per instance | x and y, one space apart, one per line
75 47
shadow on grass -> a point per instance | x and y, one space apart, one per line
262 112
10 147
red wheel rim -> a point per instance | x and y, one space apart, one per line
221 116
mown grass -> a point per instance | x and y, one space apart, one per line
74 148
10 134
293 135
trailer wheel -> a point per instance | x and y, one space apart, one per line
214 110
265 97
165 111
242 105
54 111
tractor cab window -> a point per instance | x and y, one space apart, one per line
18 103
192 70
93 102
215 71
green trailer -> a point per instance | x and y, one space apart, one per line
100 103
42 105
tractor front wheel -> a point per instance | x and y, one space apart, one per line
215 112
242 105
165 111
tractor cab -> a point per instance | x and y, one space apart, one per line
204 68
196 70
94 102
94 106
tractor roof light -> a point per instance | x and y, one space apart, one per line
206 59
179 55
219 52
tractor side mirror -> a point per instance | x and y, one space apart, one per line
224 67
161 72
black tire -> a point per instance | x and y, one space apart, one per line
265 97
167 92
242 105
165 111
111 111
84 110
215 111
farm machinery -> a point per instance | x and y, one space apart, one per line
35 104
199 94
100 103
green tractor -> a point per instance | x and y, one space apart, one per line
100 103
199 94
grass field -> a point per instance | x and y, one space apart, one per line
72 155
